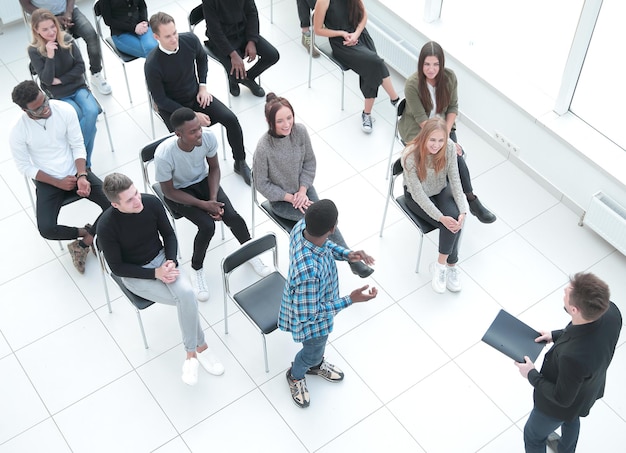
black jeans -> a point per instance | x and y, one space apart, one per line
49 202
448 241
268 55
205 223
466 180
218 113
304 12
82 28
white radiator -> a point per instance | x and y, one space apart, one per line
10 11
397 52
607 218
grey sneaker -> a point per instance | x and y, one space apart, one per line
299 392
366 126
100 83
327 371
453 279
306 42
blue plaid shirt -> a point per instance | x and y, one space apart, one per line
311 295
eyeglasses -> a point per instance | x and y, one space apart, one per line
39 110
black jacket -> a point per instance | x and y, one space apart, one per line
573 373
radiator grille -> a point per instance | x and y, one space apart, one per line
607 218
398 53
10 11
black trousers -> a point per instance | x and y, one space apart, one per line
50 200
205 223
218 113
268 55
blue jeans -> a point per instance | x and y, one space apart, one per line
310 355
538 428
87 109
136 45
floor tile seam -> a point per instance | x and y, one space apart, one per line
6 441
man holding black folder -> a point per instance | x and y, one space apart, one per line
573 373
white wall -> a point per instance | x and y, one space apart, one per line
561 152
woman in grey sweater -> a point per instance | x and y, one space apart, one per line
284 169
433 191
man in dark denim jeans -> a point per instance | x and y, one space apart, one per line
74 21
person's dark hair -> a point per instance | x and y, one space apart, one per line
321 217
158 19
590 295
114 184
181 116
442 94
273 104
356 10
24 93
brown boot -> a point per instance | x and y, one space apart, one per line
79 255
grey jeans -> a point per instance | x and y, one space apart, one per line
180 293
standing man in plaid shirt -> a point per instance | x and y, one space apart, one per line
311 297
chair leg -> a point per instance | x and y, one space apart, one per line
143 332
419 253
267 365
130 98
223 142
106 123
393 142
106 287
222 227
343 86
382 225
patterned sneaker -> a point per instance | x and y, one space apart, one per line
100 83
79 255
328 371
260 267
299 392
306 42
453 279
202 289
366 126
439 277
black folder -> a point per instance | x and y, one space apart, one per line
513 338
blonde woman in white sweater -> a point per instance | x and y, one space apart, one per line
284 169
433 191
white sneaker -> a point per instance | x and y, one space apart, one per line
260 267
100 83
366 125
210 363
439 277
200 286
453 279
190 371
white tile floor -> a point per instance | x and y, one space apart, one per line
76 378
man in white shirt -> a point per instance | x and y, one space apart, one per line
48 148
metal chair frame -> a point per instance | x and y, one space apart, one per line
422 225
265 206
396 134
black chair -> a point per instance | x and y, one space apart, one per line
422 225
323 45
259 302
265 206
195 17
108 41
396 133
146 156
138 302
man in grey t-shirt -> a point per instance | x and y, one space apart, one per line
187 167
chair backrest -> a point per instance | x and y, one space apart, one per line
146 155
396 169
249 250
401 107
195 17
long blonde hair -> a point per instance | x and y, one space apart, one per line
420 148
41 15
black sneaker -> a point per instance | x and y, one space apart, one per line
299 392
233 86
328 371
254 87
242 169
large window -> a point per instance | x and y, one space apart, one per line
600 96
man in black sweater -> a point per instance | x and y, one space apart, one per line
140 246
232 27
573 373
176 73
